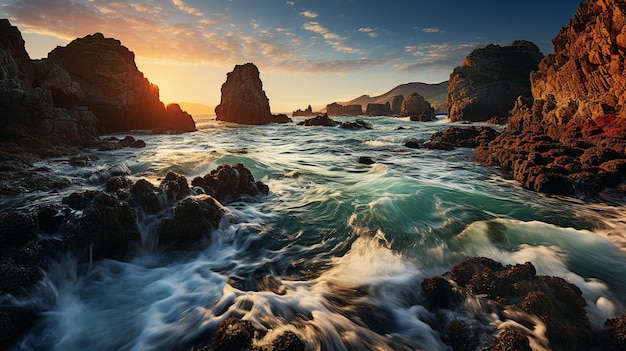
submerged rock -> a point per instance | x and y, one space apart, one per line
357 124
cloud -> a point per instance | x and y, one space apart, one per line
308 14
438 55
186 8
332 39
432 30
369 31
291 3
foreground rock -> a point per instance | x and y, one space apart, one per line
570 138
243 98
490 81
531 300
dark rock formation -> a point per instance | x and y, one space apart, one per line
378 109
416 105
104 227
320 120
396 104
466 137
16 63
243 98
193 219
336 109
366 160
570 138
615 334
490 80
558 304
308 112
101 74
357 124
229 183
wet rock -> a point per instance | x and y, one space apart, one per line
511 340
558 304
175 186
615 334
14 322
413 144
104 228
438 145
193 219
366 160
470 137
439 293
147 196
288 341
322 120
116 183
357 124
229 183
232 334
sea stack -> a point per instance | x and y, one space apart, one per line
243 98
416 105
490 80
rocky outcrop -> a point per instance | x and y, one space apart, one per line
396 104
321 120
101 74
336 109
570 138
308 112
16 63
586 74
490 81
512 293
378 109
416 105
243 98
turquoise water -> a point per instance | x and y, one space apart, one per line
349 244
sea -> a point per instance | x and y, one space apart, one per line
336 253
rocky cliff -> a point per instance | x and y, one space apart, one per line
570 137
490 81
243 98
101 74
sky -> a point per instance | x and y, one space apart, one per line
309 52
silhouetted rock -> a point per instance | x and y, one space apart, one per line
378 109
416 105
490 81
336 109
366 160
357 124
16 63
243 98
308 112
321 120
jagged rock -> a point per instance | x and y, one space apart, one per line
229 183
194 218
243 98
308 112
147 196
615 334
104 228
175 186
415 104
466 137
357 124
101 74
16 63
378 109
320 120
490 81
586 74
232 334
558 304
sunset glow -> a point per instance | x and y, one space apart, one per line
308 52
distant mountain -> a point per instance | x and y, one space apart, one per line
194 108
436 94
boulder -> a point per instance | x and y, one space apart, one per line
101 74
357 124
243 98
320 120
557 303
490 81
416 105
229 183
104 228
193 219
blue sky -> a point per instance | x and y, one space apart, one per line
308 52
